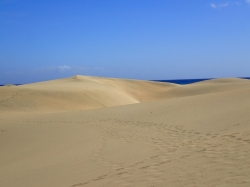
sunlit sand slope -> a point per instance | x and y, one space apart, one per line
198 138
142 91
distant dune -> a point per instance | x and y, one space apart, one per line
93 131
225 80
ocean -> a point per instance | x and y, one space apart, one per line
189 81
182 81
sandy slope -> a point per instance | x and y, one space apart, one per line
78 93
194 135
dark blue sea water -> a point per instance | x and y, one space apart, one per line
189 81
178 81
182 81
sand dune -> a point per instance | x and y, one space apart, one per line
224 80
208 87
140 133
78 93
83 92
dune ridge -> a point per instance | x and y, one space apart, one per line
80 93
102 132
85 92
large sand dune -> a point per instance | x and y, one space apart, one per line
78 93
137 133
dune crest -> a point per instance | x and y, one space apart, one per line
225 80
86 92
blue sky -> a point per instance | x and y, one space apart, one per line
137 39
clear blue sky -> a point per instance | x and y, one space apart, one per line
138 39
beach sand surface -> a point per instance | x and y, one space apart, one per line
91 131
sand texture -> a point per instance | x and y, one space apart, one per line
91 131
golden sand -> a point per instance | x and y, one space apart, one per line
92 131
